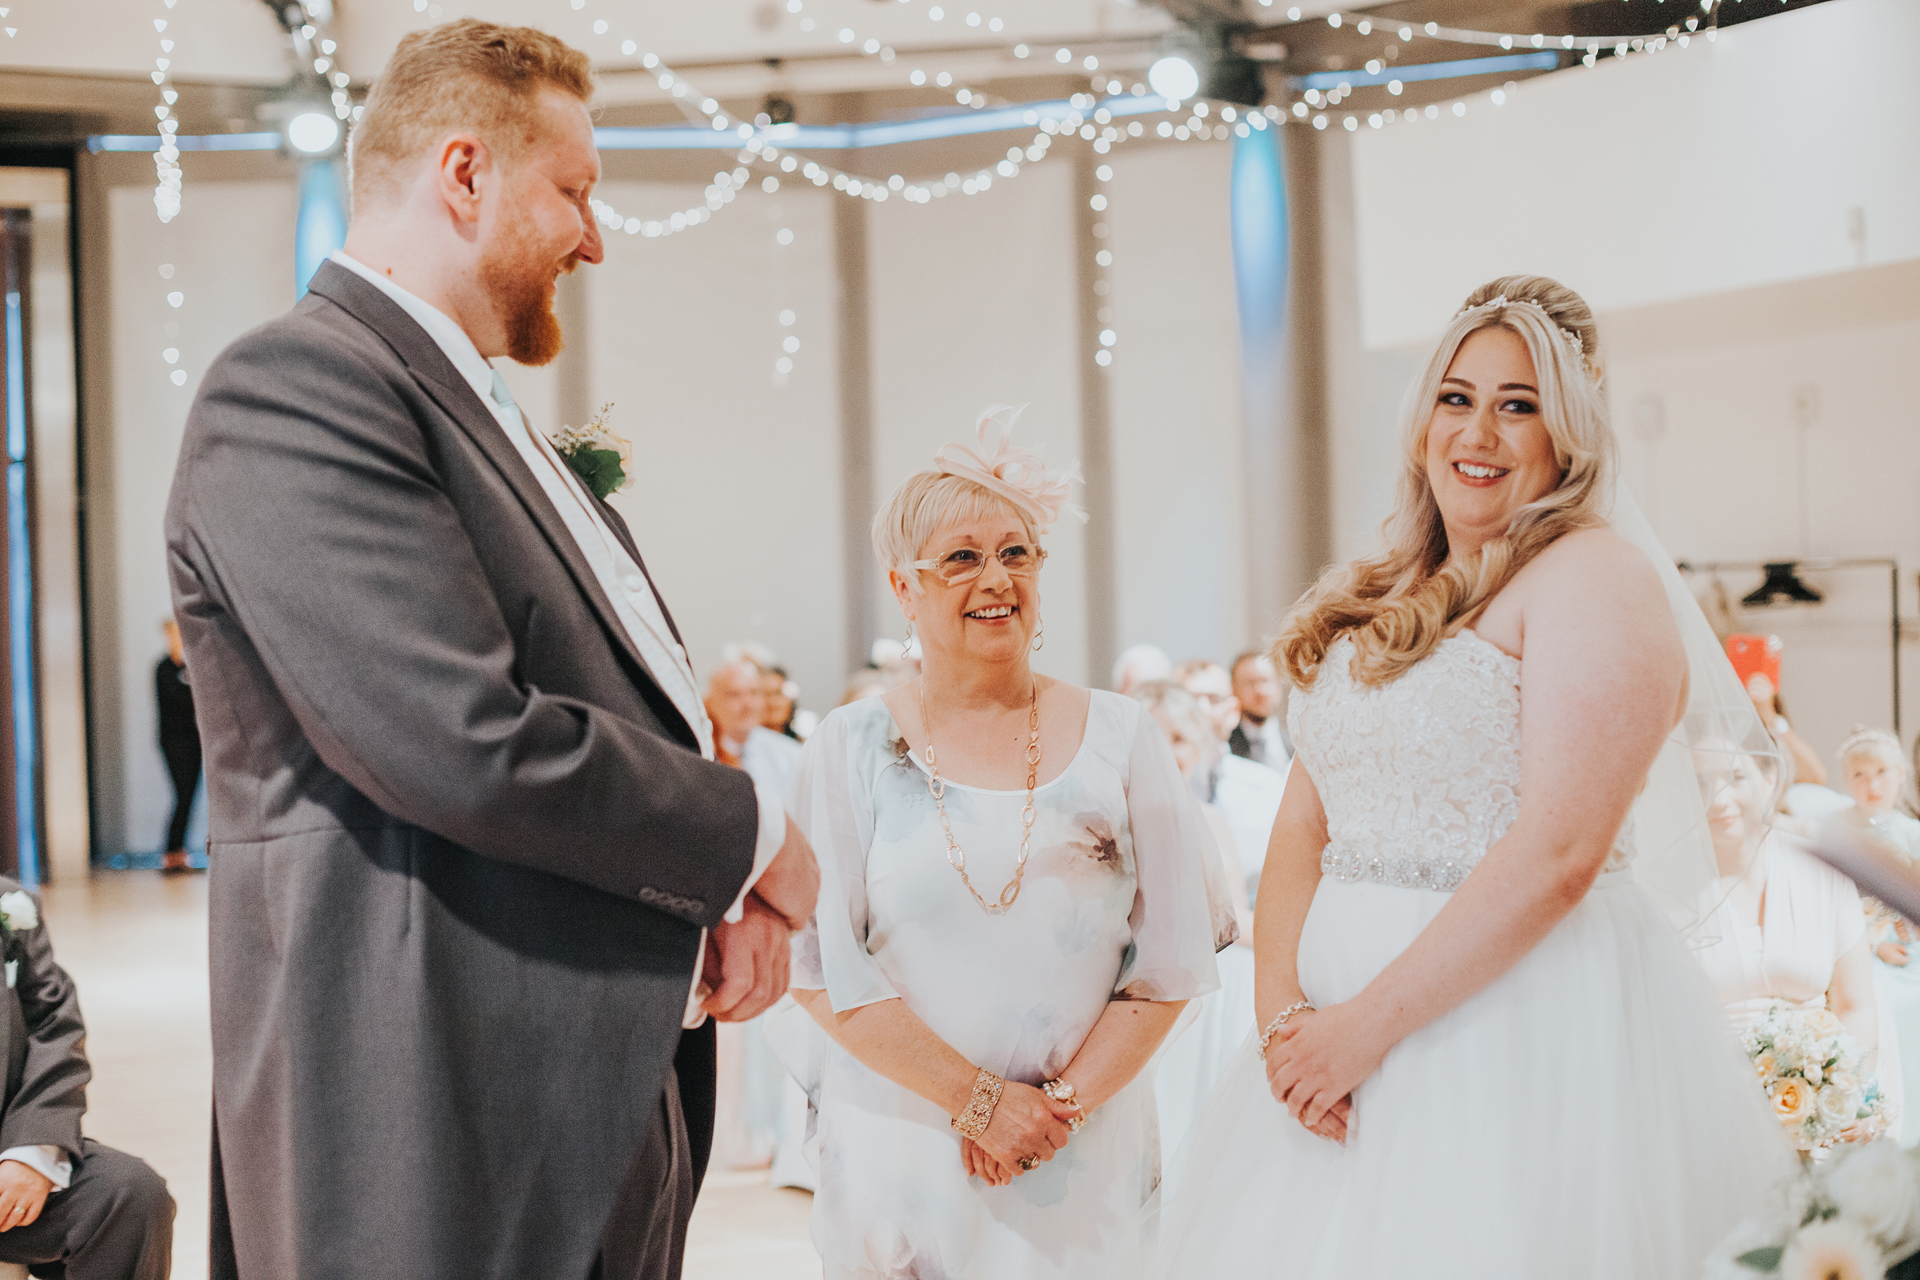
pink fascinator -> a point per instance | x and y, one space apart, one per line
1016 474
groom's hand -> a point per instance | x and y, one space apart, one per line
752 955
791 882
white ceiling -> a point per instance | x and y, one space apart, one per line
238 41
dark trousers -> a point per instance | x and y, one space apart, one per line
114 1223
646 1236
183 764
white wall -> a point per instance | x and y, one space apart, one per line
1177 433
1701 201
736 505
973 304
1693 171
233 264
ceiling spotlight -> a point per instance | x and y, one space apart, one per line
313 132
1174 78
1782 586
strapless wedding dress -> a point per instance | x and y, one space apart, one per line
1587 1116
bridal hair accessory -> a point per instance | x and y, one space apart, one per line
1273 1028
602 459
1016 474
1578 347
972 1122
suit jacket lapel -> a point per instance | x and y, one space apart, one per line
618 524
435 373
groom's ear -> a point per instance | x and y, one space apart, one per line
466 165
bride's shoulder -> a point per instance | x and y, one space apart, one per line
1595 566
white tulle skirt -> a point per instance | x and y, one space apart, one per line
1585 1117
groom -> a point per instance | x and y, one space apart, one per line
465 841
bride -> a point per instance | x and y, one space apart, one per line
1483 1048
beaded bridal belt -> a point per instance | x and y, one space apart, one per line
1401 870
1413 871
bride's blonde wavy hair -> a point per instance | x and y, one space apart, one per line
1401 604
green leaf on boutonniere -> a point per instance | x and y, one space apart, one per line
600 469
1767 1259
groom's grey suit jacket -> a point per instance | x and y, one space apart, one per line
462 842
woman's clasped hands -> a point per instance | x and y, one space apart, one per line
1027 1125
1316 1061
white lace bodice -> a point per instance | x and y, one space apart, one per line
1418 776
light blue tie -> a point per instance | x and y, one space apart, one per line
504 398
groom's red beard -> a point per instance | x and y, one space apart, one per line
523 296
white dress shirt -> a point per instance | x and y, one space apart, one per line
49 1162
623 580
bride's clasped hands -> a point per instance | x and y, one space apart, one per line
1315 1061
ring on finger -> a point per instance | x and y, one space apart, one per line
1029 1163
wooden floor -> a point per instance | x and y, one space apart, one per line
136 945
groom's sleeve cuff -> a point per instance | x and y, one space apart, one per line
773 834
49 1162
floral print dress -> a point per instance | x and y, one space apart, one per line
1114 905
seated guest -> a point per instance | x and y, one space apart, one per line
783 714
751 1087
1782 925
69 1206
1191 1063
1013 914
1874 770
1140 663
1261 735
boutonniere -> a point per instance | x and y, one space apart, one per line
18 913
601 458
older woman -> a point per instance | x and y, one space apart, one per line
1013 914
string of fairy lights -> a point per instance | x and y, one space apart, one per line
1087 118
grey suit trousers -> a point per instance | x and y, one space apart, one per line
114 1223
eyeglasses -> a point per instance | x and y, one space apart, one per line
964 564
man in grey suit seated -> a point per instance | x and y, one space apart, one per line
69 1206
471 851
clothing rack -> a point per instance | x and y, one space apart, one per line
1815 565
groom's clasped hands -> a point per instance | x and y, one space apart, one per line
747 959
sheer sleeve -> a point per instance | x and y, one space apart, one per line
834 808
1174 932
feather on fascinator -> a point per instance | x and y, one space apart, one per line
1016 474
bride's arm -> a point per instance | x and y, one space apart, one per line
891 1039
1602 680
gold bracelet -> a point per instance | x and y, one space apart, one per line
973 1121
1061 1090
1266 1037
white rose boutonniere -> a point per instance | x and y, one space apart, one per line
601 458
18 911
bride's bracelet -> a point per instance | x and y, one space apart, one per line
972 1122
1273 1028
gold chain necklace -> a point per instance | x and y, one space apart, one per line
938 789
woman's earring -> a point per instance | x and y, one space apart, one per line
1040 636
908 642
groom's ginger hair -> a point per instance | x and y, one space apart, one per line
465 76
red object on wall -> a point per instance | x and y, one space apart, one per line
1755 655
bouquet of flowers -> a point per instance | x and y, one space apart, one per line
1813 1073
1854 1217
602 459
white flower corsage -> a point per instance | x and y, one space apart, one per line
18 911
602 459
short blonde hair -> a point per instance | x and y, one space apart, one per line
465 75
928 502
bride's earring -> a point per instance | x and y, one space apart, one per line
1040 636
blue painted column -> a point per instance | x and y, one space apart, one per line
322 223
19 542
1275 459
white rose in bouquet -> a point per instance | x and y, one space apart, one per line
1832 1250
1878 1186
